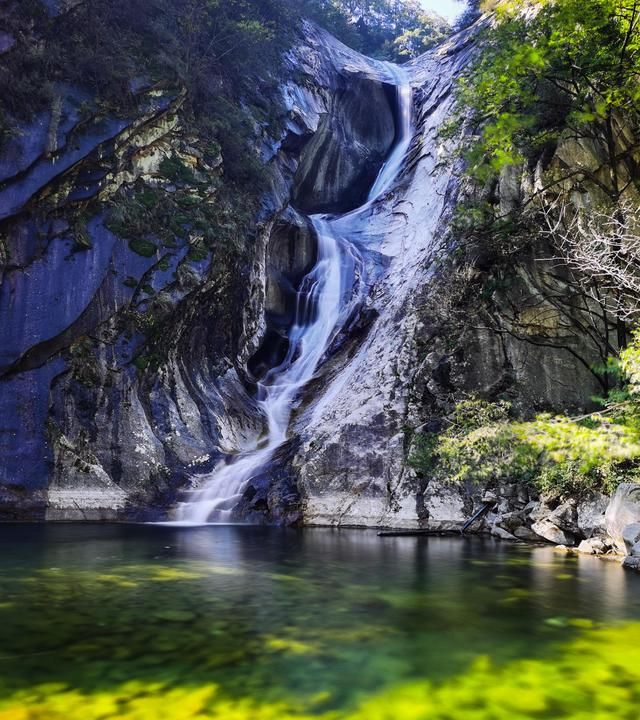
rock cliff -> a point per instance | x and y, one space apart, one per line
127 361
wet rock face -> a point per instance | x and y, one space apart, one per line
342 160
351 465
290 254
96 424
93 428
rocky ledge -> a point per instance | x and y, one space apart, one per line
595 524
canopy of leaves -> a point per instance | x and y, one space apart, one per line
104 46
223 52
549 66
389 29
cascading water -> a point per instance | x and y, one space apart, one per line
322 305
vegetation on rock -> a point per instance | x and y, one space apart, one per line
548 68
552 112
485 443
389 29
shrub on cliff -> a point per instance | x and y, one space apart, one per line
483 442
549 67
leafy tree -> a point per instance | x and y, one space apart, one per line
551 67
388 29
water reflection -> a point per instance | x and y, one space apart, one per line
319 618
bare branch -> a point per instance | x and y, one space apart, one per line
603 248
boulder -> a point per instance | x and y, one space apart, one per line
502 534
631 563
623 510
489 497
525 533
537 510
565 517
631 538
591 512
511 520
593 546
552 533
564 549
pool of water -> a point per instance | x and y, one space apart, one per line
248 623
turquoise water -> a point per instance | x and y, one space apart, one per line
244 622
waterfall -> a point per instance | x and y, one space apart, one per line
321 309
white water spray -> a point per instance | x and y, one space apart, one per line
320 312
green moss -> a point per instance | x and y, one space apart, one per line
142 362
198 252
143 247
188 200
175 170
150 197
559 687
595 676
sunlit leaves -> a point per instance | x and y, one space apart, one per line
568 63
484 444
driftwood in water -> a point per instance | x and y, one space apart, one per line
411 533
486 506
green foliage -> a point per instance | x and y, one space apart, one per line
565 64
222 53
174 169
630 365
483 443
143 247
146 215
231 128
423 456
390 29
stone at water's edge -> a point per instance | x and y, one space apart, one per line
623 510
631 538
593 546
591 514
631 563
548 531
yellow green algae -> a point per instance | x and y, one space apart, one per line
251 624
